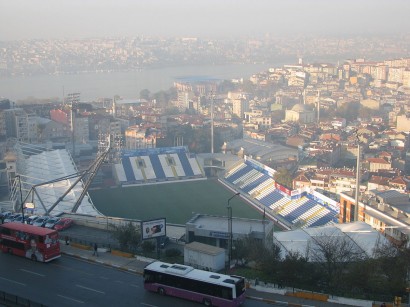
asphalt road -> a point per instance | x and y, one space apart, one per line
72 282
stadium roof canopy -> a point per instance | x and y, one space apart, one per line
359 237
37 165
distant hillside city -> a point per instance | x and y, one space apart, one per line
324 115
38 57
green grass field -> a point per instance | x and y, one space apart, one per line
174 201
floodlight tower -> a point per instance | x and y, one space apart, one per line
212 122
73 99
356 209
318 107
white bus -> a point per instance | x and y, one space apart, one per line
209 288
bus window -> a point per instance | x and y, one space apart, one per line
6 231
226 293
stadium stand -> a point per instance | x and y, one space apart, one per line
129 173
187 167
251 179
157 166
152 165
136 169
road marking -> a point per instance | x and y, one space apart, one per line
103 277
70 298
71 269
118 281
148 305
13 281
31 272
86 288
136 286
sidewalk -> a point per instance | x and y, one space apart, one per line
136 265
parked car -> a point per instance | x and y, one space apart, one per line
4 215
19 219
51 222
41 221
30 220
63 223
11 217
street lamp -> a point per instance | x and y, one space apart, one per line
230 229
21 198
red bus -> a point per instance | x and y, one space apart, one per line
209 288
35 243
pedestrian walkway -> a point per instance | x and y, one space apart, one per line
136 265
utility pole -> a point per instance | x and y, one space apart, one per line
230 229
356 208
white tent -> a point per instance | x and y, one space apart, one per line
358 236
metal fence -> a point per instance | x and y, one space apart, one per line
15 300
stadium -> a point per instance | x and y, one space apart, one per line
171 183
166 182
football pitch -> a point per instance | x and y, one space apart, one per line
177 202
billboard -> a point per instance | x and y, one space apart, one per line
153 228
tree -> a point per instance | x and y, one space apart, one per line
161 98
349 111
145 94
129 236
333 253
292 270
148 246
284 177
226 86
248 86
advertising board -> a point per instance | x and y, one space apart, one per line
153 228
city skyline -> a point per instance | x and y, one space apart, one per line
46 19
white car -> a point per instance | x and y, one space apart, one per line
12 217
41 221
30 220
51 222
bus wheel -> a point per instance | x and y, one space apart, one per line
207 302
161 291
33 257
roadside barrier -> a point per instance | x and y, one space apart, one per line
15 300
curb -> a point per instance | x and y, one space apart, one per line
269 301
106 263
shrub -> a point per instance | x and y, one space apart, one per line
172 252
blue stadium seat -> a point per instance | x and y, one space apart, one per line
255 183
239 173
185 164
303 208
271 198
324 220
129 172
156 165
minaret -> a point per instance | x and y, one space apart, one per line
114 113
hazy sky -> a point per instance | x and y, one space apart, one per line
25 19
